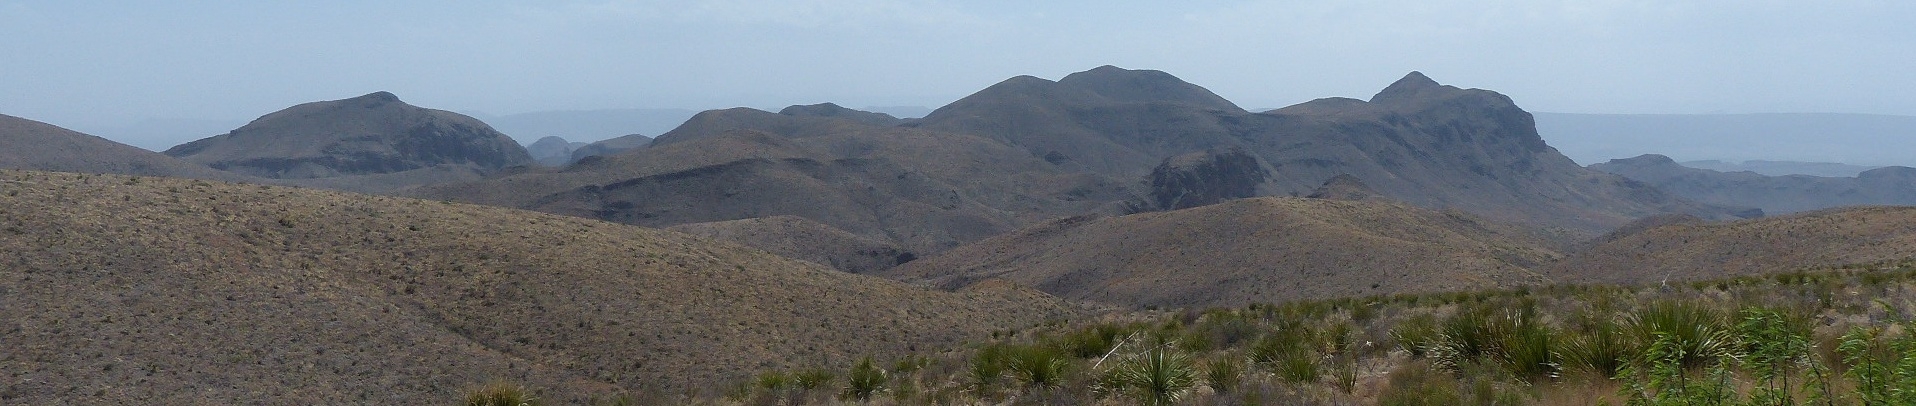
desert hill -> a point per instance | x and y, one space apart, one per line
1266 249
366 135
1416 141
1894 185
553 150
28 144
1677 249
920 190
154 290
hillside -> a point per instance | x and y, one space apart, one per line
1894 185
1690 250
799 238
371 134
1247 250
28 144
1416 141
124 290
922 191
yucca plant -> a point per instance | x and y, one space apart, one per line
1696 330
1223 374
1159 376
1038 366
1601 350
863 380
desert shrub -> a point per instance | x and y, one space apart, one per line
1288 351
1775 347
1091 341
1416 335
810 379
1658 377
1417 384
500 393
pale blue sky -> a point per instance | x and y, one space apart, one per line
92 63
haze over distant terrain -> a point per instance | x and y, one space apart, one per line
1857 139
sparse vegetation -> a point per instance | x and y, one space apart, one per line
1771 340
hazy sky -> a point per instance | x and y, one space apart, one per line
77 62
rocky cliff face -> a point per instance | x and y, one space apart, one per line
372 134
1205 177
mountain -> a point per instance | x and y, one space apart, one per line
833 110
800 238
28 144
1110 120
372 134
553 151
1894 185
1867 139
1267 249
124 290
920 190
1416 141
1690 250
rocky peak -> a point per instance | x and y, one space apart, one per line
1411 87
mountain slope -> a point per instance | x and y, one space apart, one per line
28 144
920 190
1244 251
371 134
1894 185
1416 141
1688 250
124 290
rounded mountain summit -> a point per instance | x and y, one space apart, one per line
372 134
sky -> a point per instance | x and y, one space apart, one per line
93 64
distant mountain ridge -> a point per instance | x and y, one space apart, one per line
1893 185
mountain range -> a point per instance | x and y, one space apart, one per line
742 240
